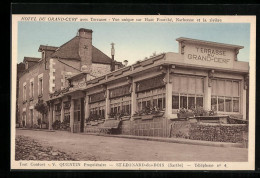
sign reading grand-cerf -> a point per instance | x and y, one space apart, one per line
206 53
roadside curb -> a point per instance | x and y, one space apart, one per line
44 130
173 140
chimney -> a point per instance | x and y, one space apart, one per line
113 57
125 62
85 49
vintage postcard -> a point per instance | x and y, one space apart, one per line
124 92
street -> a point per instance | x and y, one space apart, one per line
99 148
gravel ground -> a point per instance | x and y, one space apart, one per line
29 149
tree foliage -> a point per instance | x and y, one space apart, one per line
41 107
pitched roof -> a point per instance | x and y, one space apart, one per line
99 57
31 59
47 48
69 50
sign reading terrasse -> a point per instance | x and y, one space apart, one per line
209 56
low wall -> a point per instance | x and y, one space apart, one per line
218 132
179 129
189 129
92 129
140 127
154 127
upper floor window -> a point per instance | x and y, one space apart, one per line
40 85
31 89
24 91
225 95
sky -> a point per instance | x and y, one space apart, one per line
133 41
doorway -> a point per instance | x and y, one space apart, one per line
31 113
82 118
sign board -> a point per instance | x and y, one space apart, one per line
207 55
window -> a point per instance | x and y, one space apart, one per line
31 89
121 105
24 92
120 100
97 110
187 91
225 95
40 89
151 98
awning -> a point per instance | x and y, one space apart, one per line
111 124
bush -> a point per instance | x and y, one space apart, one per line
56 125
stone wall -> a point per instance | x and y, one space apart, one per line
179 129
236 133
100 69
125 127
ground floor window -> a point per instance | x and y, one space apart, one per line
186 101
225 104
187 91
120 105
97 110
225 95
154 98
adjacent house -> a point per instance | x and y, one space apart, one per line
39 79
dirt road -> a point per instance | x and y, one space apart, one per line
99 148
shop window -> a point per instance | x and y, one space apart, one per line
154 98
225 95
121 105
97 110
187 92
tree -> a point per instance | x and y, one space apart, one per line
41 107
